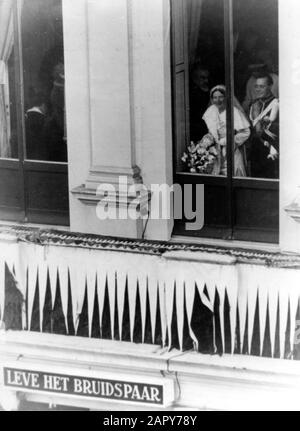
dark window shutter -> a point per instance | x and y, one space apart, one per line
180 77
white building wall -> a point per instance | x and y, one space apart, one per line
289 75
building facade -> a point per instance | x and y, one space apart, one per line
138 311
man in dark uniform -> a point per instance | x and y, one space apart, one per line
264 116
199 101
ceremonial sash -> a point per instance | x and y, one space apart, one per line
263 113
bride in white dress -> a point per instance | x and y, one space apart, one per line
215 119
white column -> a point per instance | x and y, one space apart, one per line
112 127
118 103
102 146
153 100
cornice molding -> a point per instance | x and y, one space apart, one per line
160 248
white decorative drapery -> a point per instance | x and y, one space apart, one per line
169 284
6 47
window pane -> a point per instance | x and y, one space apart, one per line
256 155
8 120
207 93
43 72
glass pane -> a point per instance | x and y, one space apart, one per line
43 73
8 119
207 93
256 152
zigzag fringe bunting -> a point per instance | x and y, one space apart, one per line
235 308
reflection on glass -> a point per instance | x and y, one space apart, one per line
206 57
256 82
43 73
8 121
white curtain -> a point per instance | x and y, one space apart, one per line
194 9
6 47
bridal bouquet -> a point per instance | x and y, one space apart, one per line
201 156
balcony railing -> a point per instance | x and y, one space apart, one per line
208 299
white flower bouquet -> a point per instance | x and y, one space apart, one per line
201 156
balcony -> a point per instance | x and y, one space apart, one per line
187 297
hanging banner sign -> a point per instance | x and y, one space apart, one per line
108 389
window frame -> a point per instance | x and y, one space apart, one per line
231 231
32 209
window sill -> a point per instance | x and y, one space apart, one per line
34 226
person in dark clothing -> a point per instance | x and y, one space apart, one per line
199 101
245 54
55 129
53 57
264 116
55 54
56 144
35 118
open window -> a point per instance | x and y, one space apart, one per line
226 114
33 139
